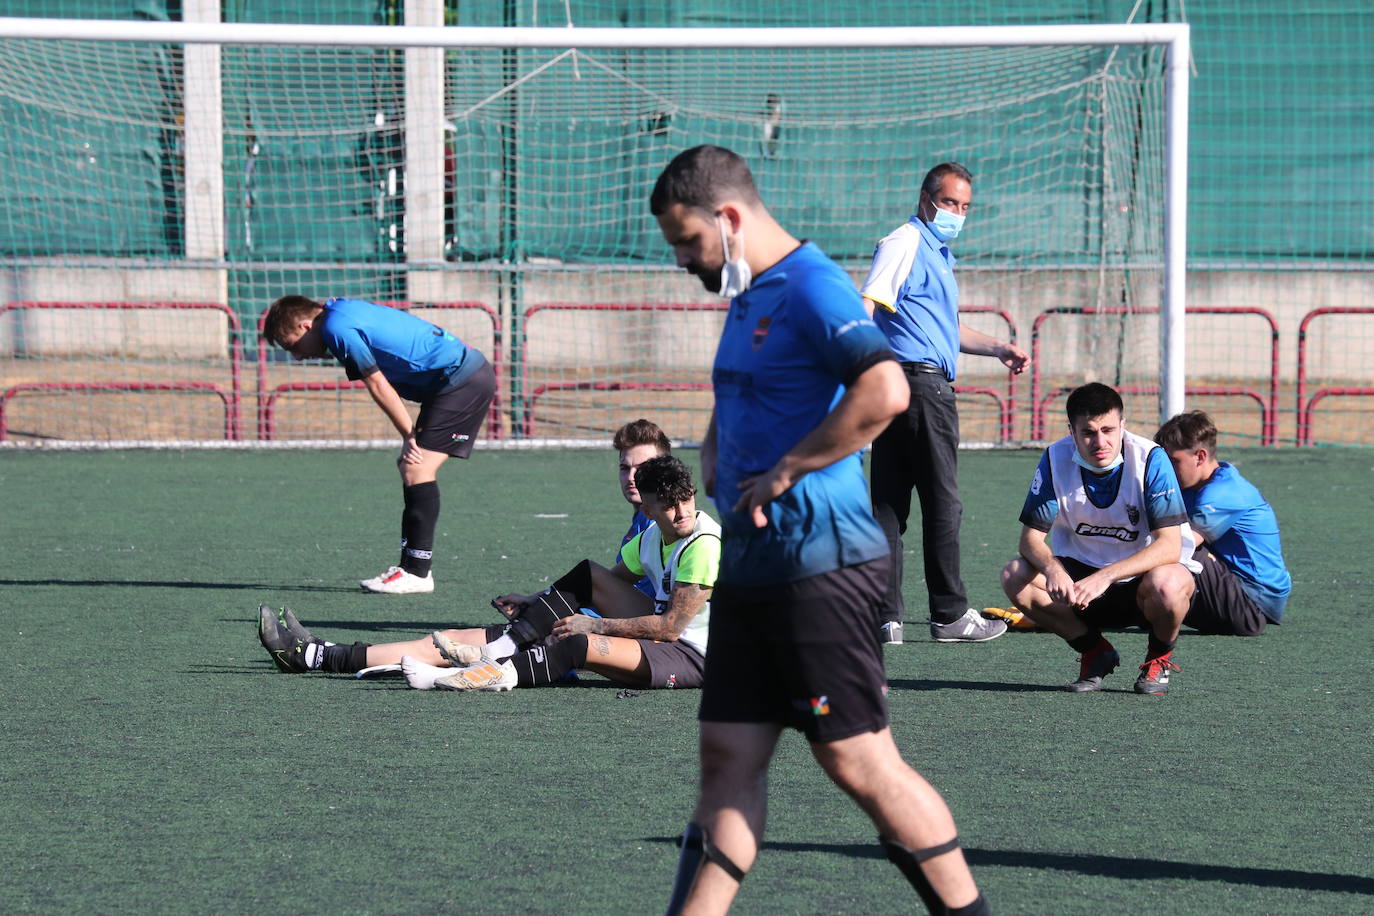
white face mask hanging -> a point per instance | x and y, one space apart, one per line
735 275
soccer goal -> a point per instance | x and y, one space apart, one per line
164 182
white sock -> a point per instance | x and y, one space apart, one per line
503 647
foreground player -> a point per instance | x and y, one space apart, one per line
803 380
397 355
1122 547
635 641
1244 583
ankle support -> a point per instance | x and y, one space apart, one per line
908 861
696 852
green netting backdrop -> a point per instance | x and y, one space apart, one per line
549 157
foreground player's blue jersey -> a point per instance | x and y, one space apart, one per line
417 358
638 522
791 343
1241 530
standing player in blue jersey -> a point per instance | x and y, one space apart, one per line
803 380
397 355
1122 550
913 297
1244 583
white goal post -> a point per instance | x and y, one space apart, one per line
422 195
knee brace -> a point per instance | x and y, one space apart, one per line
696 852
908 861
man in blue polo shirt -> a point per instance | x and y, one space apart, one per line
912 295
803 380
1243 584
397 355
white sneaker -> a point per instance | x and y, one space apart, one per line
461 654
421 675
891 633
485 675
396 581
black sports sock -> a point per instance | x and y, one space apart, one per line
345 659
1085 643
540 666
418 521
1157 647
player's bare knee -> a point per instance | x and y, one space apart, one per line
1167 587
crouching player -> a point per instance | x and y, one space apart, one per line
1122 550
637 641
1244 583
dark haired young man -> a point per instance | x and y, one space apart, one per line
1243 583
803 380
397 355
636 641
1122 553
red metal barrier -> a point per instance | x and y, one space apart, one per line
267 429
1006 406
1268 407
526 401
225 396
1305 404
233 429
528 426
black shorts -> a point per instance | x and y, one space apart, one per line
1221 606
450 420
1113 609
803 654
673 664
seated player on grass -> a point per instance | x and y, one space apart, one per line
1244 583
637 641
1122 552
635 443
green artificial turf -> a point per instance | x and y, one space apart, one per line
155 761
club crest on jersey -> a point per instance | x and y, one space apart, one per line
1132 513
1037 482
820 706
761 332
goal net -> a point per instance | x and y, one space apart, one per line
161 192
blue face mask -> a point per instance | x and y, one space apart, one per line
945 225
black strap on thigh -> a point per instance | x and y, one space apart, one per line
696 852
908 862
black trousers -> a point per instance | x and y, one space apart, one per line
920 450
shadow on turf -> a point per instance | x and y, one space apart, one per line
1110 866
923 684
159 583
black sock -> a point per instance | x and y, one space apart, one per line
418 521
1085 643
1158 647
345 659
540 666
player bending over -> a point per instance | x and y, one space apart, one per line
1122 553
1244 583
397 355
637 641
